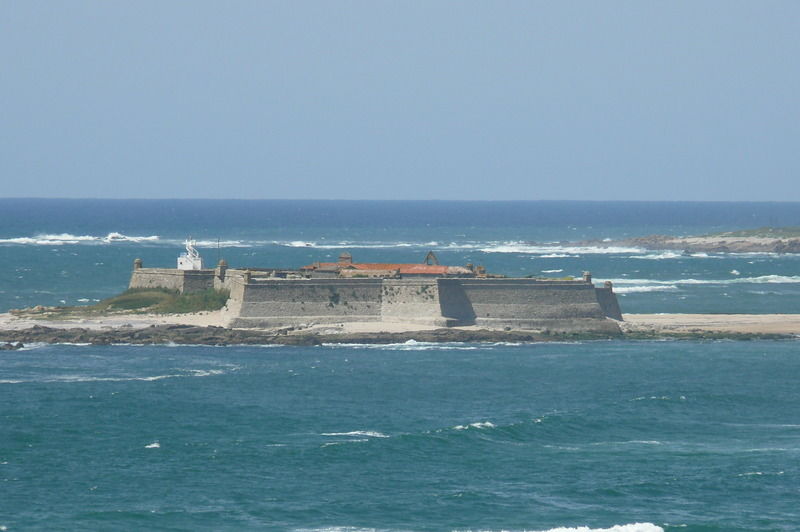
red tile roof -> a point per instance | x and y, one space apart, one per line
410 269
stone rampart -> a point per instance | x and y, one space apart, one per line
260 299
530 303
608 302
182 281
412 300
283 302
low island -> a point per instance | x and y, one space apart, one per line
351 302
762 240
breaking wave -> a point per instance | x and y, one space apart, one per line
67 238
369 433
413 345
89 378
659 256
631 527
476 425
644 288
762 279
556 250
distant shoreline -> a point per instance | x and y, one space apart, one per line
763 240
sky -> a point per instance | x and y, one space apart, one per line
463 100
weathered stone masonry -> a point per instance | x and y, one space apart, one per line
260 299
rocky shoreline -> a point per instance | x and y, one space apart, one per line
220 336
703 244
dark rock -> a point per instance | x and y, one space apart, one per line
11 347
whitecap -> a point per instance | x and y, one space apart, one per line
370 433
549 250
67 378
762 279
659 256
632 527
552 271
644 288
411 345
70 239
476 425
330 443
154 445
221 243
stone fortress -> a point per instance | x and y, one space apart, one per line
425 294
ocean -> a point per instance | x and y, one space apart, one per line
623 436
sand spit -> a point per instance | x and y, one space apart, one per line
755 324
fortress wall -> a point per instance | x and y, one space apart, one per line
172 279
530 303
454 303
411 300
280 302
233 307
608 302
197 280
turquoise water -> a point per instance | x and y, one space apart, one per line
677 436
57 252
682 435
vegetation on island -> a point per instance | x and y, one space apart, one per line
762 232
138 300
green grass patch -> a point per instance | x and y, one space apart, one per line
195 302
138 300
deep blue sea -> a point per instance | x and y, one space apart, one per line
625 436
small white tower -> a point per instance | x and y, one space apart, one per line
190 260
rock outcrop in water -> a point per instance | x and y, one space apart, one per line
754 241
187 334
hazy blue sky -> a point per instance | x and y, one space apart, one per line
408 100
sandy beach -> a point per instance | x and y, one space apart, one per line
787 324
10 322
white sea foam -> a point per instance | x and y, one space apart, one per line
762 279
370 433
347 528
67 378
412 345
154 445
758 473
67 238
632 527
552 271
659 256
328 444
220 243
549 250
644 288
476 425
